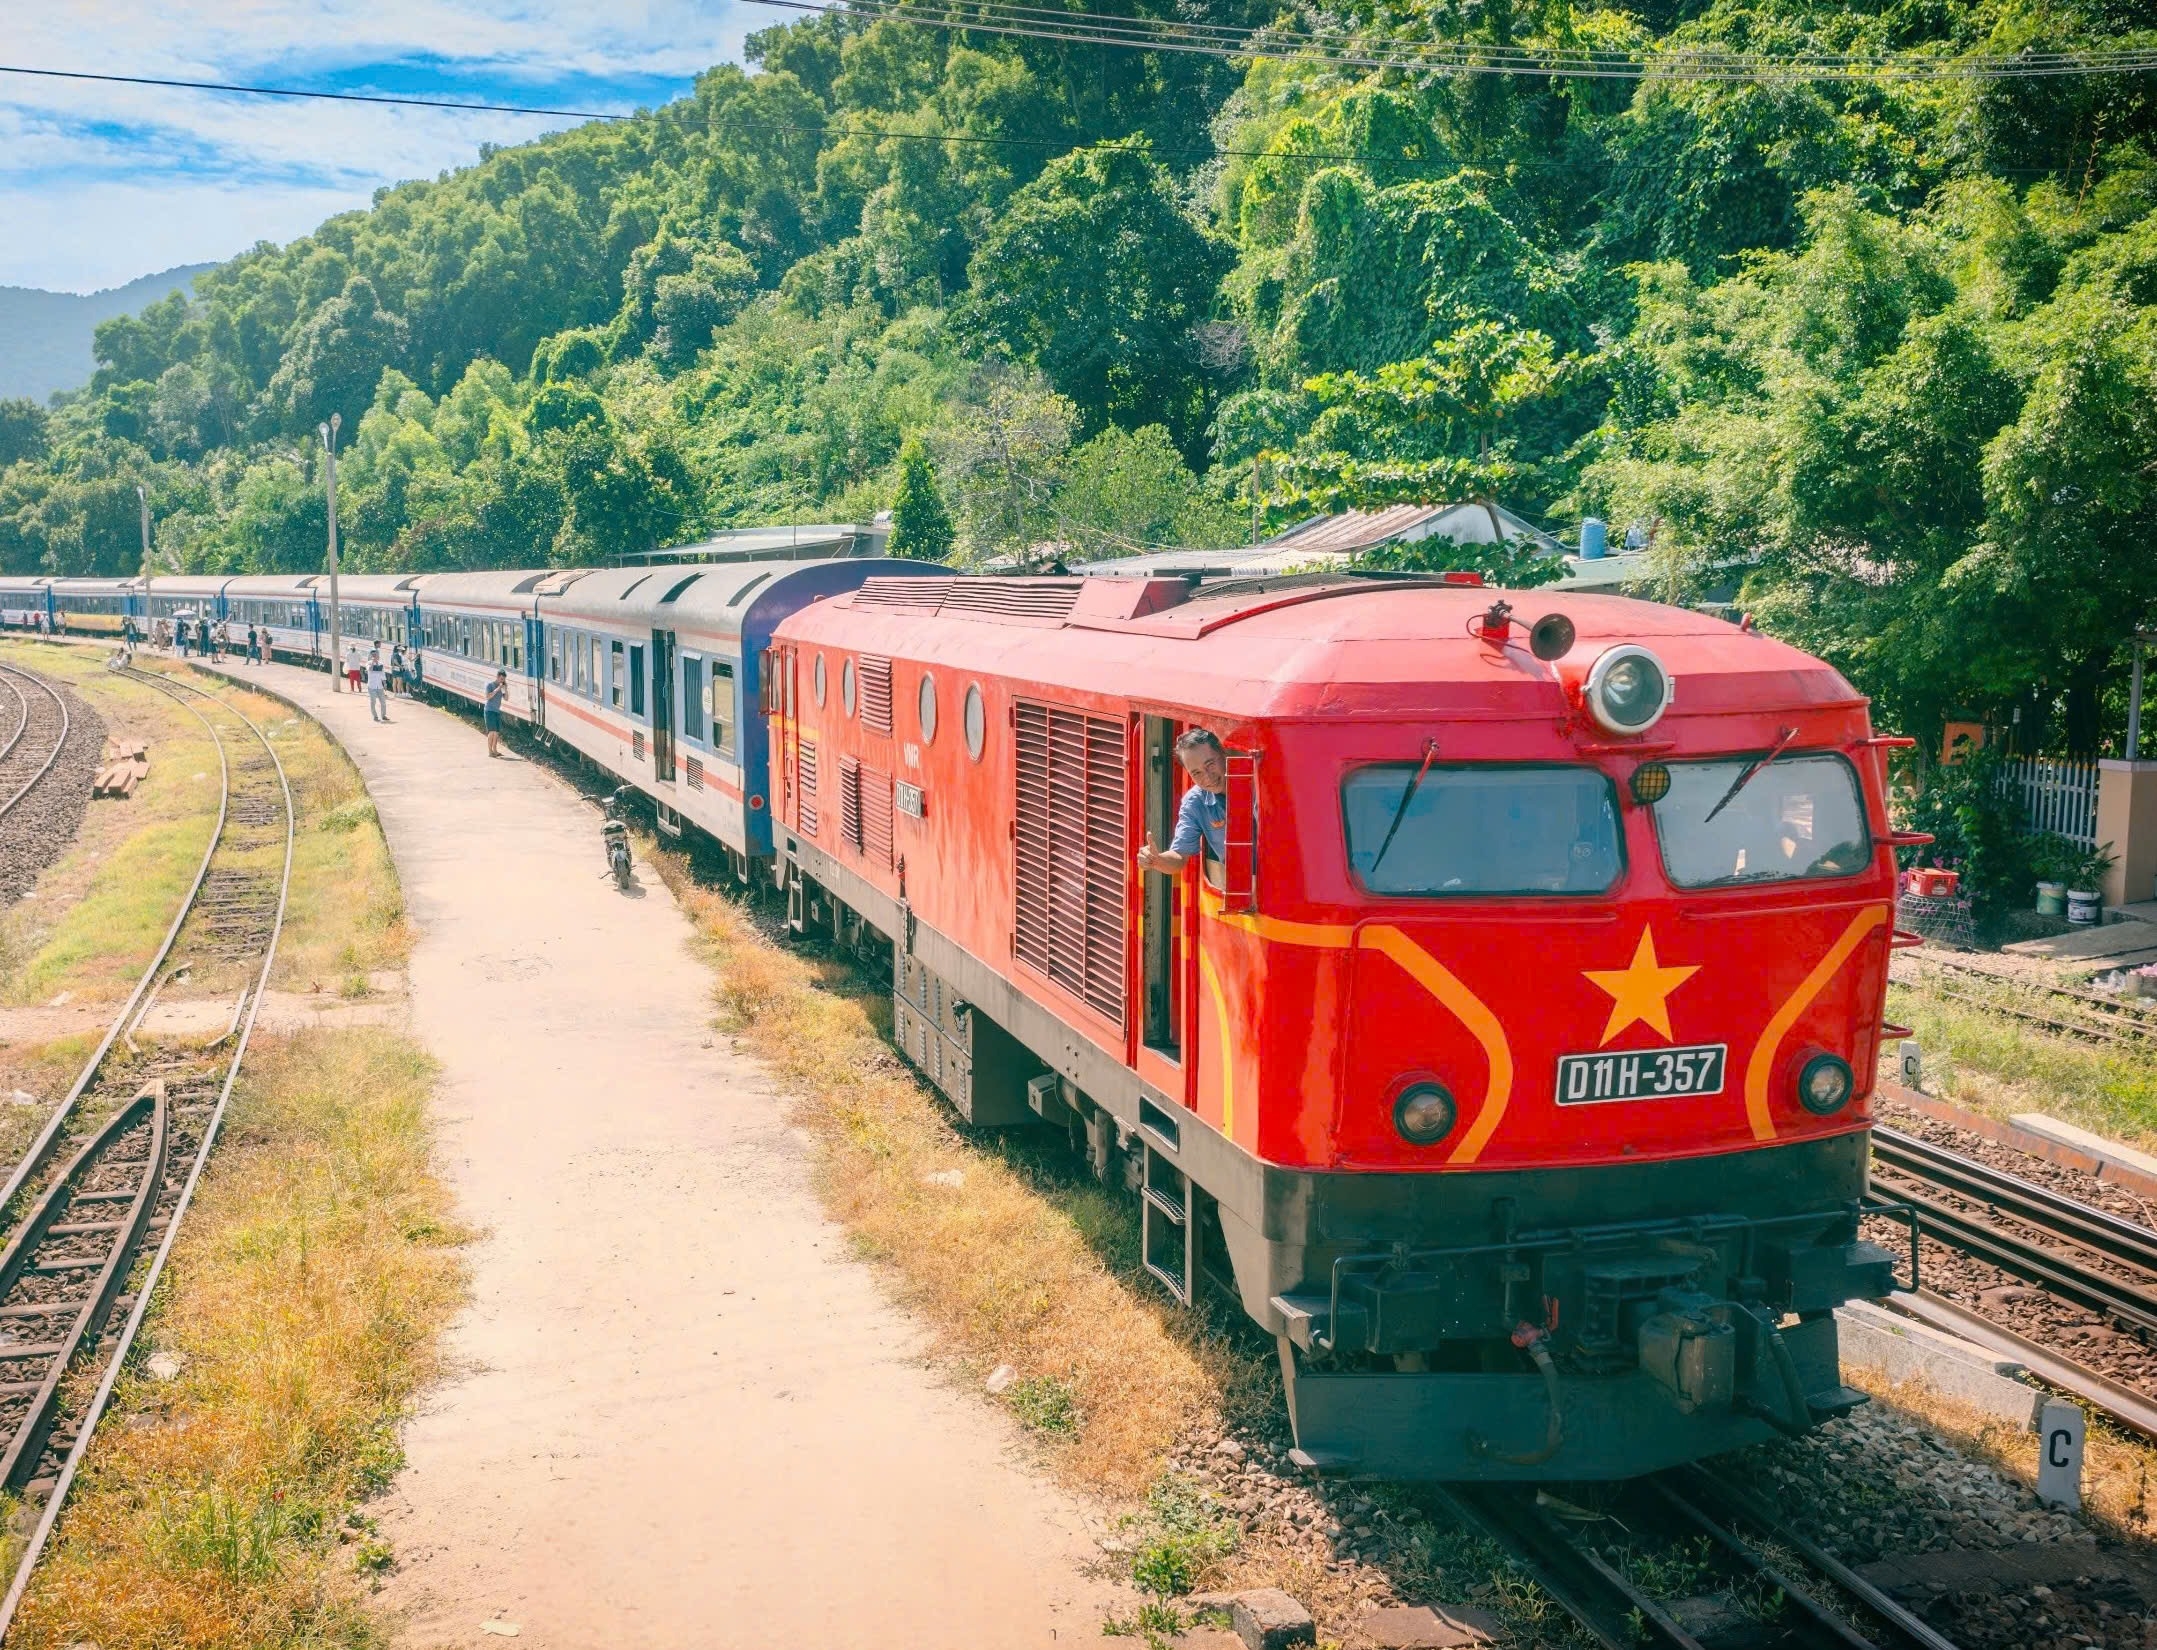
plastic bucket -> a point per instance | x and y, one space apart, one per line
2083 906
2052 899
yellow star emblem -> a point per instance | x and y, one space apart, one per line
1641 990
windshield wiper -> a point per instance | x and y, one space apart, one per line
1430 753
1782 743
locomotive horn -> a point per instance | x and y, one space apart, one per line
1552 637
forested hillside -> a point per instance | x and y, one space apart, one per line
45 336
1891 340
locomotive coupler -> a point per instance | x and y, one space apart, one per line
1690 1345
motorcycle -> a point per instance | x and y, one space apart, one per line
614 837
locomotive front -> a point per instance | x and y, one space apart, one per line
1568 980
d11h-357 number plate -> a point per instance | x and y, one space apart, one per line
1641 1074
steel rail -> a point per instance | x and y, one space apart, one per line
2117 1034
2036 1206
147 1288
1738 1507
18 1464
22 725
2127 1011
2061 1274
1595 1595
42 1148
1619 1614
58 745
2133 1410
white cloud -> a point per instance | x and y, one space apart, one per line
100 183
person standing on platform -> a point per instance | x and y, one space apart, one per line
377 687
491 716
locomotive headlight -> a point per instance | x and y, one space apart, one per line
1628 690
1825 1085
1424 1114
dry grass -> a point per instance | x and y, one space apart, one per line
2117 1466
1018 1264
304 1301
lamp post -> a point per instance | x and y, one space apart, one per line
329 471
149 610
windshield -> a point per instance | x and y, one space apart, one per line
1482 830
1798 817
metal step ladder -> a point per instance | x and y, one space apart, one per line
1168 1225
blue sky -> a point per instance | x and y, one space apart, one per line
101 183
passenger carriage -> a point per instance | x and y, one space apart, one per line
653 673
24 601
95 607
283 604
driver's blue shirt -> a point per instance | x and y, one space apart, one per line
1201 817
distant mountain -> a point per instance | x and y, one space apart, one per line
45 336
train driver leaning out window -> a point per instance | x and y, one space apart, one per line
1202 817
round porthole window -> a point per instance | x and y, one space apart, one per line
977 723
846 686
816 680
928 708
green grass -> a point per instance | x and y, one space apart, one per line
1995 1064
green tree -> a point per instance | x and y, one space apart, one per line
339 356
1095 275
921 526
1454 426
1125 491
22 431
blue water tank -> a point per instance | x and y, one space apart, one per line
1594 540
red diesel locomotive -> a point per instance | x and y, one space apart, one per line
1511 1063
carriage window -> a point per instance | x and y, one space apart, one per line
692 697
722 706
1799 817
614 674
1482 830
554 658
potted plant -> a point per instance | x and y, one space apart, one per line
2053 860
2085 897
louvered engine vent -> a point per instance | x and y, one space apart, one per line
805 766
876 692
1071 849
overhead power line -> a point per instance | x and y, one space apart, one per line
829 128
393 100
1460 57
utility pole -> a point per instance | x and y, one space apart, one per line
149 610
329 471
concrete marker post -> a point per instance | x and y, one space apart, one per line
2059 1454
1912 1065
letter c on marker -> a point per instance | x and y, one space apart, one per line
2056 1442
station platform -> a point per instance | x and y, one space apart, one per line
679 1415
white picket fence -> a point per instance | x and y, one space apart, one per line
2057 795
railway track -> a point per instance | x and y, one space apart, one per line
37 737
1789 1593
2093 1017
2085 1256
132 1137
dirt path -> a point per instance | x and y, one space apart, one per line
685 1418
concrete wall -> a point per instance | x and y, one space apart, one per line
2127 820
